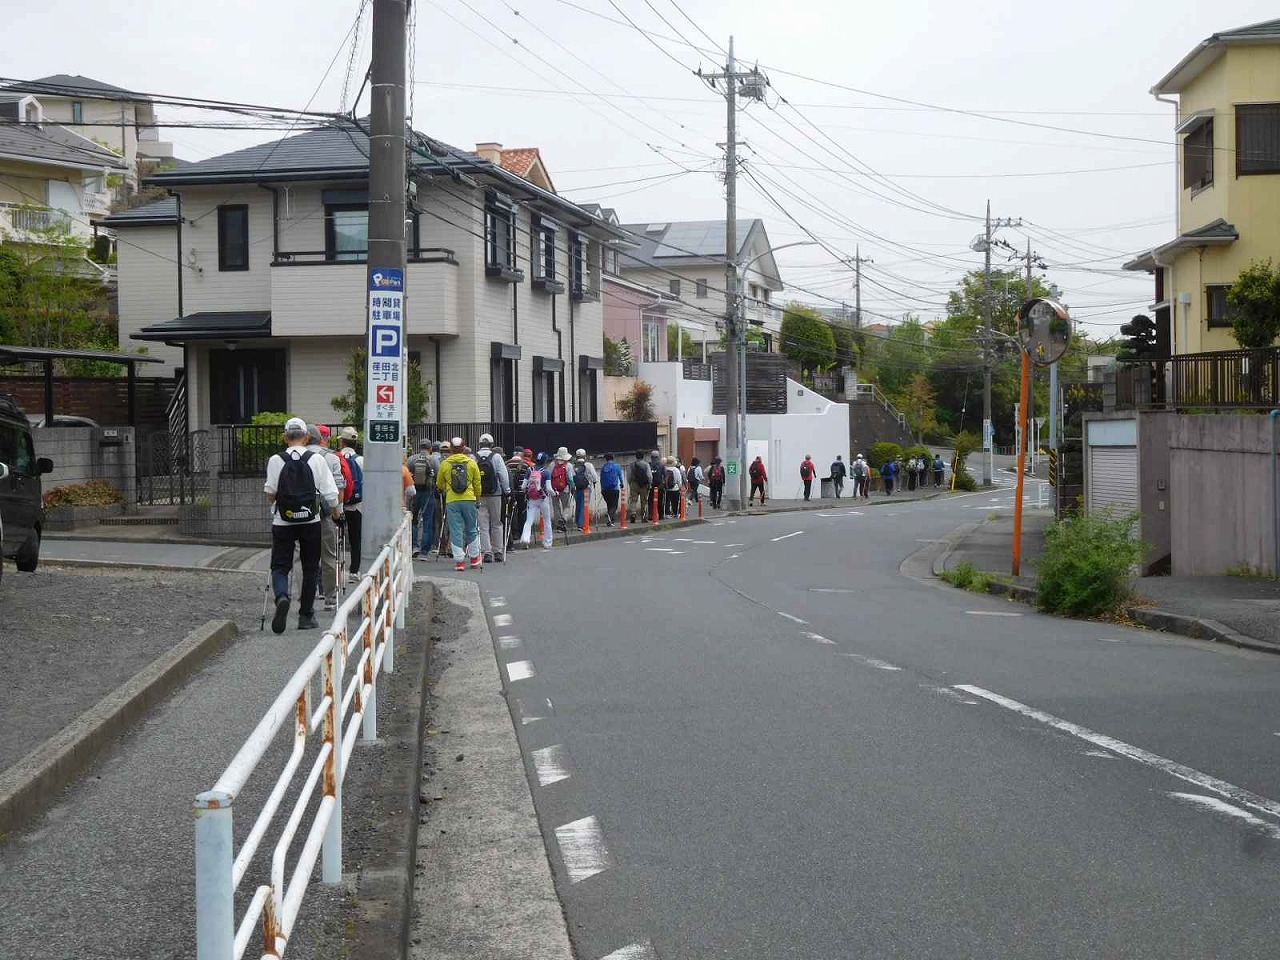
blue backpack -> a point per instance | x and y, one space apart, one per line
357 481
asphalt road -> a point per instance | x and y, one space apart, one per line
763 740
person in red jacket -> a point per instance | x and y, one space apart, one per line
807 473
759 477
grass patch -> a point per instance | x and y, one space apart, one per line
967 577
1249 570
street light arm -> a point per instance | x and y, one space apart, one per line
773 250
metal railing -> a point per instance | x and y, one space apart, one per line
874 392
300 258
346 710
28 219
1217 379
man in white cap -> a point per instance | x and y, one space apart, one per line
585 483
459 481
562 486
349 449
495 487
300 488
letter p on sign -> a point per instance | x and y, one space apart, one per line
386 341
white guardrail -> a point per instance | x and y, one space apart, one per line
343 712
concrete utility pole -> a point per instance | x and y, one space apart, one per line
385 321
751 83
984 245
858 261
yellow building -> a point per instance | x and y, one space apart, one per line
1227 94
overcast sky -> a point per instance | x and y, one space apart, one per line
609 107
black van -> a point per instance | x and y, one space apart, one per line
21 504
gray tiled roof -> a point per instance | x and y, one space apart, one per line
51 142
701 239
1254 31
149 214
1207 51
77 84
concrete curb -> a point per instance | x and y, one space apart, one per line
384 888
64 536
135 565
28 787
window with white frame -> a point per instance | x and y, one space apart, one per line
499 232
650 338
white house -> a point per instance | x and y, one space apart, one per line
50 177
251 278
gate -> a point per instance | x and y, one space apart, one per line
173 469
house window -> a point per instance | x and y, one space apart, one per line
544 249
1257 138
675 288
503 375
346 231
1217 310
702 288
1197 157
578 284
77 111
245 382
499 235
233 237
544 396
587 410
651 339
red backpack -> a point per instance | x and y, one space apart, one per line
560 477
533 485
348 478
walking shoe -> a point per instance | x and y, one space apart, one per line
546 546
417 554
355 577
476 563
330 603
281 616
488 558
307 621
498 557
460 566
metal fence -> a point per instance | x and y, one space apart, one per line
1219 379
597 438
172 469
346 709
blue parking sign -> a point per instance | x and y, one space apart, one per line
385 340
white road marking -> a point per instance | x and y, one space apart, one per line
1108 640
676 553
992 613
498 602
509 643
870 661
552 765
733 556
790 617
1230 810
731 545
502 620
787 536
682 539
950 694
1100 753
520 670
1203 780
820 638
660 549
832 590
633 951
705 543
582 848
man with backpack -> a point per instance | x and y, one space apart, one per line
715 482
318 444
423 470
495 487
837 476
611 486
888 473
807 473
353 516
562 486
861 478
301 490
658 473
517 506
459 481
585 481
759 477
694 477
939 471
537 492
639 480
672 480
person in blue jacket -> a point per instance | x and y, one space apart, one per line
611 486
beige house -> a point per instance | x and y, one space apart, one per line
252 280
1227 94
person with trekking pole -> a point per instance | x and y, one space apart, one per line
459 481
495 488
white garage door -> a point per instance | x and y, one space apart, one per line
1113 479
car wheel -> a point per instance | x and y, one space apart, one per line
28 556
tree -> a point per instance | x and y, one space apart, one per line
1255 306
350 405
636 404
807 338
846 345
687 348
618 358
918 404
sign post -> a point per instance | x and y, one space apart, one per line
386 387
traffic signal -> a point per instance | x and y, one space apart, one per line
1141 342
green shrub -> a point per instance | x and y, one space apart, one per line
961 575
1087 565
882 451
257 446
964 480
965 444
917 451
93 493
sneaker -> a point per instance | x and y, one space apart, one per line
476 563
488 558
355 577
498 557
546 546
307 621
417 555
460 566
281 616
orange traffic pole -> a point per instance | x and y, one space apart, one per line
684 502
586 510
699 508
654 515
1022 462
626 506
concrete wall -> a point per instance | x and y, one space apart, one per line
813 425
869 423
79 456
1220 477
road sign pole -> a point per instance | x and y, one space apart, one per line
1022 464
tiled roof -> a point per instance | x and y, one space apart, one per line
68 85
1207 52
698 239
149 214
520 160
48 141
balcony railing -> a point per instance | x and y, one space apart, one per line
1222 379
27 219
311 258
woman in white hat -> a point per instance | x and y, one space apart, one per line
562 485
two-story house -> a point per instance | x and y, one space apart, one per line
1227 93
686 259
251 278
123 121
52 180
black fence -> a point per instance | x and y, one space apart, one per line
696 370
766 383
598 438
1221 379
172 469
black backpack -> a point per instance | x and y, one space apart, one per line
672 480
639 475
488 477
581 481
424 472
297 500
519 473
659 475
458 477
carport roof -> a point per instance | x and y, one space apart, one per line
15 354
229 325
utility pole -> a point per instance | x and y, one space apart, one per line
751 84
983 244
858 261
385 321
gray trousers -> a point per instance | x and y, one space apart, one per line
491 538
328 558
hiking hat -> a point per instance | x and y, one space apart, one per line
295 425
485 439
349 433
325 432
543 458
457 442
444 445
563 454
580 453
424 445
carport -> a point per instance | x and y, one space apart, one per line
14 354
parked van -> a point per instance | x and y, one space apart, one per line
21 501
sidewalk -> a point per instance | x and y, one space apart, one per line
1243 611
